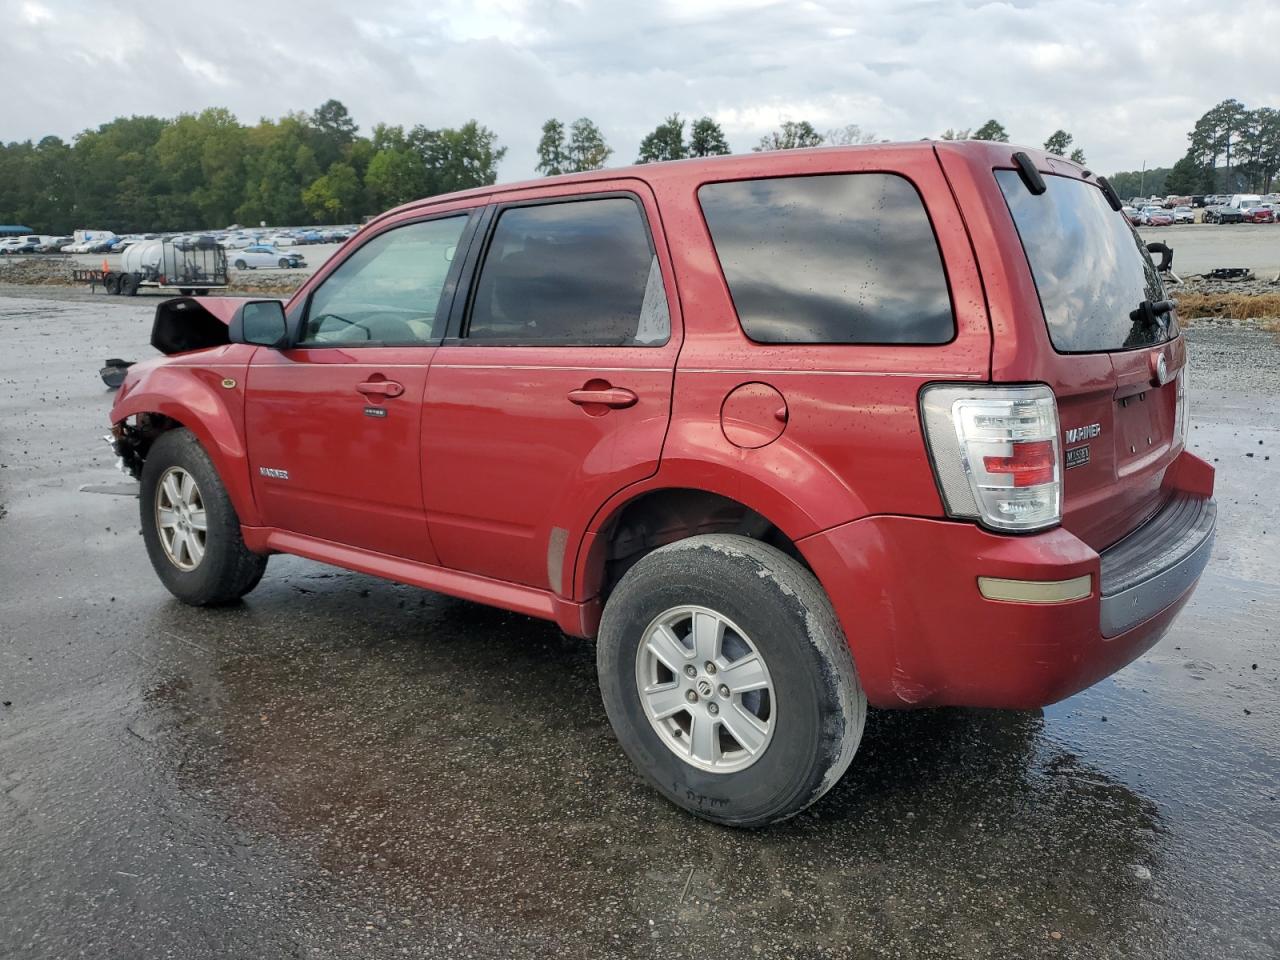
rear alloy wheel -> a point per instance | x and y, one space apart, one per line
728 680
240 264
705 689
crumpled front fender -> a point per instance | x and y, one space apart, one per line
204 392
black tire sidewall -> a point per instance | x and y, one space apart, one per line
793 767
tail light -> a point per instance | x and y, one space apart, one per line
997 453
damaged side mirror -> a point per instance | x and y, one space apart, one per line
260 323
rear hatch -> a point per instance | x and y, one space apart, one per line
1117 363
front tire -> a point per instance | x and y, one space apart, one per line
728 680
190 527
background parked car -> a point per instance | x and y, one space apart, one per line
1259 214
265 256
25 244
1184 215
1223 214
1156 217
201 242
1131 215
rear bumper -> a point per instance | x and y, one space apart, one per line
906 592
1156 564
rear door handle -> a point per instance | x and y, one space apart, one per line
617 397
380 388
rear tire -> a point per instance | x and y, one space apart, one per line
240 264
804 709
283 264
129 285
112 283
202 567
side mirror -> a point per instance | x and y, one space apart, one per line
260 323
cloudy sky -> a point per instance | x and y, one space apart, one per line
1126 77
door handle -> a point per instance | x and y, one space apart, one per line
380 388
616 397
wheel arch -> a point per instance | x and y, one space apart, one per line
168 399
646 516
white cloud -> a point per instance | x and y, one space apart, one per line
34 14
1126 77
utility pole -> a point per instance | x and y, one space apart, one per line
1142 181
1229 187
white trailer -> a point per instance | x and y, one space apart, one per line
164 265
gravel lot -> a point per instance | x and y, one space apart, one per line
1201 247
342 767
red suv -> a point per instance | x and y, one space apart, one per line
788 434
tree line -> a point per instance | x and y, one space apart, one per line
1247 142
208 169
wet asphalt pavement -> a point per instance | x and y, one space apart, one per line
343 767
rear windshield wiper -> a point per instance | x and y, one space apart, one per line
1152 313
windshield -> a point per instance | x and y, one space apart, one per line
1089 265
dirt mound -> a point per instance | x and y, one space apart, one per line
36 270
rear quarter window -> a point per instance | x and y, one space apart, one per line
840 259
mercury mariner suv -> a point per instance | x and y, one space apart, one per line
787 434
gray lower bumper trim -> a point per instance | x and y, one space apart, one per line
1138 601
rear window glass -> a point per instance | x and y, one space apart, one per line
1090 267
844 258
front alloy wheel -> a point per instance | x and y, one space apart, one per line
181 518
190 526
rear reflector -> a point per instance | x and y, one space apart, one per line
1036 591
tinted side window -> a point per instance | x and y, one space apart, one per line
844 258
581 272
388 291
